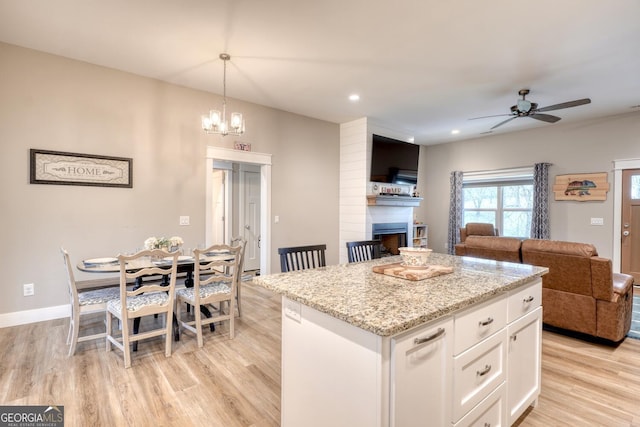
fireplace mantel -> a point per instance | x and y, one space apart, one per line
393 200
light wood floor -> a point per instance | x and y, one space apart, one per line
237 382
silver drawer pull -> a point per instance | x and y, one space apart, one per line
528 300
486 322
484 372
431 337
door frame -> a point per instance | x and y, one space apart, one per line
238 156
618 167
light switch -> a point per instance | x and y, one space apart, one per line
597 221
184 220
276 219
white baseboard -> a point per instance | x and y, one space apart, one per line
33 316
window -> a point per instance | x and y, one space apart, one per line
502 198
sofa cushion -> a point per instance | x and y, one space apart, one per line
569 264
493 247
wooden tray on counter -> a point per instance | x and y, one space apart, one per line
409 273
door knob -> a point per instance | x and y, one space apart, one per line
625 233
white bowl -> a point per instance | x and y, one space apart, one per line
415 257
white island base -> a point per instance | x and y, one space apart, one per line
475 367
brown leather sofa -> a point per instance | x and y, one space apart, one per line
580 293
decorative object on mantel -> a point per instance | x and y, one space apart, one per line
412 273
583 187
216 122
57 167
242 146
171 244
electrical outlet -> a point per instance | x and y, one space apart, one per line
184 220
28 289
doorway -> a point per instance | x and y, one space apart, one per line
630 245
625 237
262 163
249 214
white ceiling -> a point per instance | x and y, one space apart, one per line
423 67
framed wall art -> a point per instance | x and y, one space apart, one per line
56 167
583 187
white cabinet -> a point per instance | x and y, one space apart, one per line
421 376
476 367
497 358
524 355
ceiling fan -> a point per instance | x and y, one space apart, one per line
526 108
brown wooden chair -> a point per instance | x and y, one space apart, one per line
147 299
215 282
302 257
363 250
82 303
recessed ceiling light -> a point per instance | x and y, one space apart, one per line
455 132
354 97
411 139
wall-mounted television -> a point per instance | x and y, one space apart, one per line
394 161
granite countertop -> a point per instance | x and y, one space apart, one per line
388 305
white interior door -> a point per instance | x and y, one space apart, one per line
250 214
219 206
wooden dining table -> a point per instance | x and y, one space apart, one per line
185 264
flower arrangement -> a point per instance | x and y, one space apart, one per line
163 243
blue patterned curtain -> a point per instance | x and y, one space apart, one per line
455 210
540 211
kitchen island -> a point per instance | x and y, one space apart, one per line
365 349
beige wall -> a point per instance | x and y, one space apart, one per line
572 148
53 103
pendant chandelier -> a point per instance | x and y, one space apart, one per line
216 122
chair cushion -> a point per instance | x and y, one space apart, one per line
98 296
139 301
205 291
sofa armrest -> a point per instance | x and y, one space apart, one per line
461 249
622 283
605 283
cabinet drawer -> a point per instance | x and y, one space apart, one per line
473 326
523 301
490 412
477 372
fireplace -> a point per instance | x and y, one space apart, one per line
393 235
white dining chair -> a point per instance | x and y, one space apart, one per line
144 300
242 277
84 303
215 282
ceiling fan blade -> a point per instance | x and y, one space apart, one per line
506 121
545 117
486 117
565 105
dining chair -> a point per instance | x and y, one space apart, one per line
150 298
215 282
302 257
83 303
242 277
363 250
